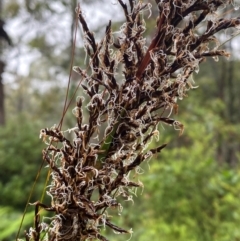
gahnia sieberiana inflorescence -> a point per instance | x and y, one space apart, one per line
129 89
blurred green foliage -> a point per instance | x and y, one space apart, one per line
10 222
20 159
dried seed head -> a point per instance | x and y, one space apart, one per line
91 169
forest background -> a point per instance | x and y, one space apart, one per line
191 190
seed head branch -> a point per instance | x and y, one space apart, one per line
130 90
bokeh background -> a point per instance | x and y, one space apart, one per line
191 190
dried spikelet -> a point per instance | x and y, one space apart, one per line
131 108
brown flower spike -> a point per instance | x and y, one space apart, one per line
91 171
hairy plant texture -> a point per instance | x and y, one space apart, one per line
90 172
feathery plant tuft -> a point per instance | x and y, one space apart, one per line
129 90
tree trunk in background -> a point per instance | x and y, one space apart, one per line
2 111
231 158
225 151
